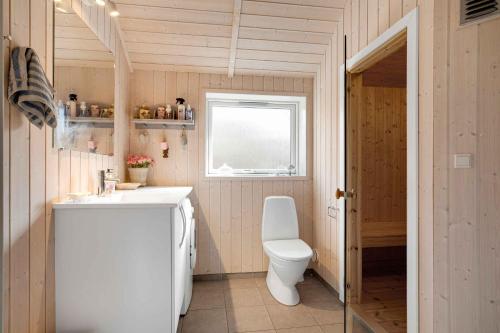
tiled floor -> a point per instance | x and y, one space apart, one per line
245 305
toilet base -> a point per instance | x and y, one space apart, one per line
287 295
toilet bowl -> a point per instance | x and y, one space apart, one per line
288 255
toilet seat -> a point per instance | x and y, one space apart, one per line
288 249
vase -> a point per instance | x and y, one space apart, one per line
138 175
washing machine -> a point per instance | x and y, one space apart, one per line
191 255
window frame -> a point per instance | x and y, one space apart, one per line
296 103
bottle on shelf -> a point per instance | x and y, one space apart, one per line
181 108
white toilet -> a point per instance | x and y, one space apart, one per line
288 255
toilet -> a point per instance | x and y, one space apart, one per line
288 254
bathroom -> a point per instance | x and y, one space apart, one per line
198 177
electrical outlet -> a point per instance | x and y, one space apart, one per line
463 161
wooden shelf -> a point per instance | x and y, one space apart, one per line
92 121
161 123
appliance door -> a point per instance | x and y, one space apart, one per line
193 245
191 256
181 251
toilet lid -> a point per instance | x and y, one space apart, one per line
288 249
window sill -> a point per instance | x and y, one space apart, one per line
255 177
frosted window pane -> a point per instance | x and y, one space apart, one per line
251 138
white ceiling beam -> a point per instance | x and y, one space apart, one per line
234 37
122 43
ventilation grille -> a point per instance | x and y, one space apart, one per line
473 10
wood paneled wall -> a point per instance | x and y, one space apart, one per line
467 201
458 113
228 211
325 176
122 120
383 155
34 175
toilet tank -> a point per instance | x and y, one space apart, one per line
279 220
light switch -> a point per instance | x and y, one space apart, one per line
463 161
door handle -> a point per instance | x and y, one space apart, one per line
345 194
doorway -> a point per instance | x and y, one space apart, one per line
378 202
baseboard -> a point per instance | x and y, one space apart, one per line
228 276
250 275
330 288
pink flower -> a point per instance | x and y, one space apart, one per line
139 161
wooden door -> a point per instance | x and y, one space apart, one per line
353 190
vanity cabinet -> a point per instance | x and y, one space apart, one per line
120 262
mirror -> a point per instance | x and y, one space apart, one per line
84 85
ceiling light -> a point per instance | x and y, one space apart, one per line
100 2
113 12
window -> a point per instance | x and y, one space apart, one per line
255 135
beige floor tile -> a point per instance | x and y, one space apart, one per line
240 283
207 299
242 297
326 313
314 293
267 297
284 316
209 285
205 321
310 280
310 329
335 328
247 319
261 282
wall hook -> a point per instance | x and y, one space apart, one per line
184 136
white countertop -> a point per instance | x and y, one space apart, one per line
143 197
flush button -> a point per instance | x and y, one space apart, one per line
463 161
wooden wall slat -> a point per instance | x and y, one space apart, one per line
19 180
488 170
228 212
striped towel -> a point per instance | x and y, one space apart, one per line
29 89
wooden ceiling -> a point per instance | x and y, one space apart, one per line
388 72
273 37
75 43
